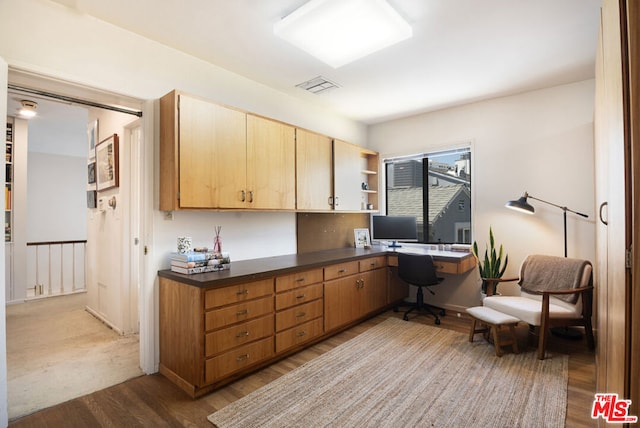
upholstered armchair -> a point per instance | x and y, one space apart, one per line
554 292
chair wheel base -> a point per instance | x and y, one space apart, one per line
437 321
406 318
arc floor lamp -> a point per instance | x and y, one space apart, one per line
522 205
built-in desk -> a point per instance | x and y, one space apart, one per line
217 326
454 262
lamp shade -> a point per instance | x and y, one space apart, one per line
521 205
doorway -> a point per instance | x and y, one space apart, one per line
112 267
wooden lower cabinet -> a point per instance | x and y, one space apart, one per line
299 308
352 297
210 336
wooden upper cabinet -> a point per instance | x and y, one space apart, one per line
271 164
202 154
212 155
314 175
346 171
218 157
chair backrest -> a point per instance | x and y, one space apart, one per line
417 269
544 273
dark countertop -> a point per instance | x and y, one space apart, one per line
254 269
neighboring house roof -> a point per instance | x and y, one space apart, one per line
408 201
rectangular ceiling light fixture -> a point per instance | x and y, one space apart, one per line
338 32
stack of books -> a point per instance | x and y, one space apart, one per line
199 262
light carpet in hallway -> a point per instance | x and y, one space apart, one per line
57 351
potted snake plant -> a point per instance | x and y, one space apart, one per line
491 266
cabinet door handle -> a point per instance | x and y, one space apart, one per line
242 293
336 201
242 334
242 357
301 314
250 196
244 196
330 201
602 205
242 312
301 296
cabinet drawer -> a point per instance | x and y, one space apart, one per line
244 311
297 335
297 296
237 293
299 315
298 279
372 263
340 270
445 267
228 338
233 361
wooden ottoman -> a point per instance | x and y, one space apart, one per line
489 321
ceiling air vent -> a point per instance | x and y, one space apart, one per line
318 85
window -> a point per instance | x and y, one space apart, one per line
442 207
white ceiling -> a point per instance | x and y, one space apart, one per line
462 50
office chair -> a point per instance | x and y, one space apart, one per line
418 270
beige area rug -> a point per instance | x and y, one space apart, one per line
405 374
57 351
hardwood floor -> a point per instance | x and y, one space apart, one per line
154 401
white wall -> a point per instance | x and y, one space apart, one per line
56 197
540 142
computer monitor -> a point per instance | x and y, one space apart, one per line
394 229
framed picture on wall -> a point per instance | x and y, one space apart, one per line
92 136
91 173
107 171
362 238
91 199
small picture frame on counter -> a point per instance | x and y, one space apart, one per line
362 238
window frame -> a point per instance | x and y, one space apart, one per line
465 227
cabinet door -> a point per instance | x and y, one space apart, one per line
373 291
341 302
212 141
271 167
313 171
346 170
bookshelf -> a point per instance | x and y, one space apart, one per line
8 187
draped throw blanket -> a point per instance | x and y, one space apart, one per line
549 273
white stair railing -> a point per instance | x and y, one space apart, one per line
55 268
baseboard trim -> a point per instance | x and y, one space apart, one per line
104 320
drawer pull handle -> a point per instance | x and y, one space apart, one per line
301 296
242 334
242 293
300 279
243 312
244 357
301 314
372 264
302 333
342 271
